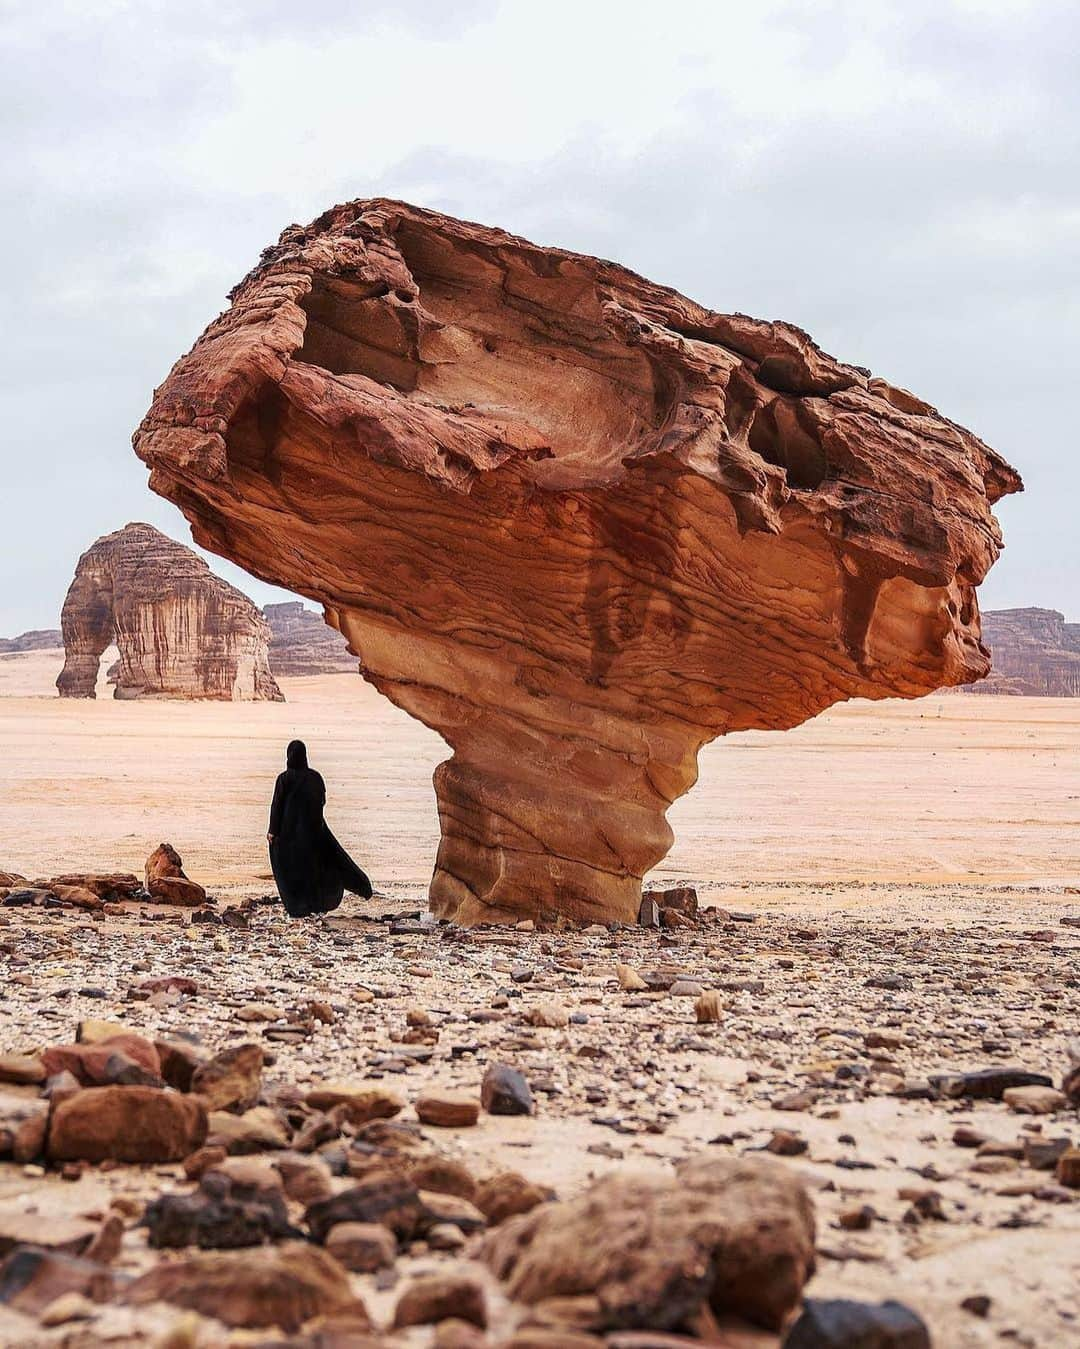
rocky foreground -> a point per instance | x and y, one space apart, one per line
731 1128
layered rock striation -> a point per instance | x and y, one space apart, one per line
1034 652
572 520
302 643
181 631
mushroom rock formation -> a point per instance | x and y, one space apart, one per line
572 520
181 631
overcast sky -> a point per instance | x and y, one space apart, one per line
901 179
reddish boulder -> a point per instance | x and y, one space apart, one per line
166 882
126 1124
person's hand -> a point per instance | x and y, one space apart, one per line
269 838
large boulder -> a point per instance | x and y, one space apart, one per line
573 521
734 1236
126 1124
166 881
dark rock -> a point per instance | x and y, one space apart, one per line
988 1084
384 1198
504 1091
218 1220
31 1278
840 1324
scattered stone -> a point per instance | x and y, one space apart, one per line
166 881
1034 1100
629 979
1067 1172
362 1247
21 1069
278 1286
447 1111
256 1130
734 1235
504 1091
23 1125
384 1198
124 1060
66 1308
508 1194
840 1324
978 1305
437 1297
126 1124
232 1079
548 1014
220 1215
362 1101
708 1007
32 1278
989 1084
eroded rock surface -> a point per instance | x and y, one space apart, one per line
572 520
181 631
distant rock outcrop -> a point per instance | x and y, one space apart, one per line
181 631
40 639
1034 653
303 643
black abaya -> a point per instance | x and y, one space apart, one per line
311 868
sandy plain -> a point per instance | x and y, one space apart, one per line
935 845
951 790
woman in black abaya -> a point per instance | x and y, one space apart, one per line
310 866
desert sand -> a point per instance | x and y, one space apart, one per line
903 884
945 791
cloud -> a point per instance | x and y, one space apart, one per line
900 179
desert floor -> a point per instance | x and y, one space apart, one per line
913 875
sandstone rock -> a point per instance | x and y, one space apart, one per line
56 1232
23 1124
365 1102
113 887
166 881
181 631
66 1308
508 1194
579 462
32 1278
1067 1172
125 1059
384 1198
442 1175
1034 1100
283 1286
548 1014
302 643
840 1324
21 1070
733 1236
437 1297
255 1130
179 1062
440 1209
362 1247
629 979
93 1031
504 1091
126 1124
709 1007
447 1110
230 1080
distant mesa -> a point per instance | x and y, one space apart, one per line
573 521
40 639
181 631
1034 653
302 643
